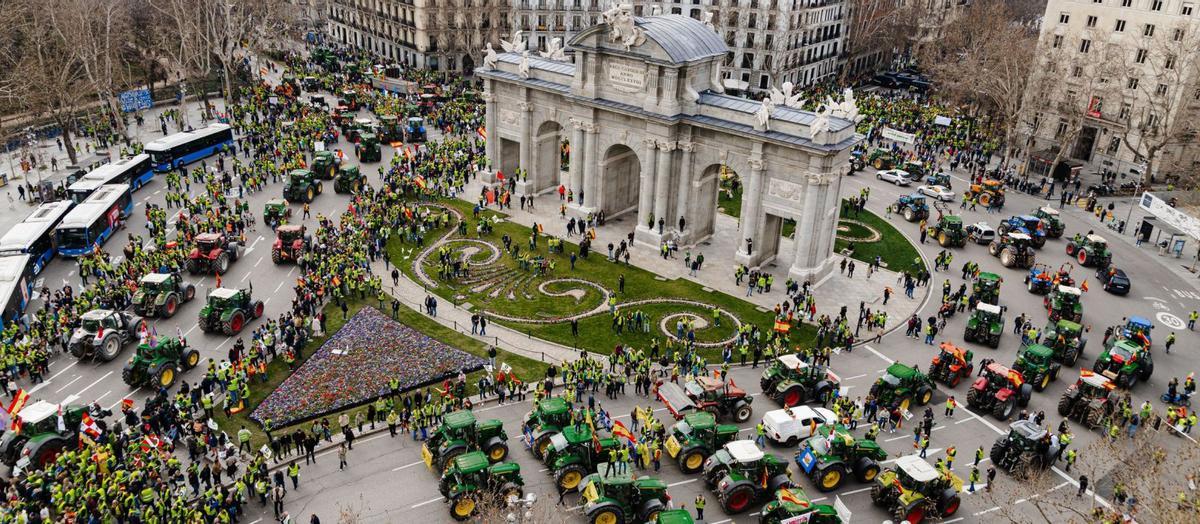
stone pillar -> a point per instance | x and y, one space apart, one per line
683 198
591 172
524 162
662 189
646 187
670 96
492 144
812 241
751 209
651 101
830 191
577 162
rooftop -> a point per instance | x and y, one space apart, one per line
917 468
744 451
1096 239
792 361
989 308
223 293
155 278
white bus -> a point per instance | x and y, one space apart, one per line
94 221
134 171
16 287
35 235
172 151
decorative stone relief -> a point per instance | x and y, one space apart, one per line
790 191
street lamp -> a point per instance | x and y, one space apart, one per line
1136 189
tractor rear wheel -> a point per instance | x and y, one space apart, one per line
692 460
1004 409
909 214
608 515
191 357
865 469
1083 257
737 499
742 412
924 395
110 347
1008 258
164 375
170 306
949 503
943 239
221 264
276 256
793 396
1064 405
831 477
258 309
235 323
994 248
49 451
955 378
568 478
914 515
462 506
1042 382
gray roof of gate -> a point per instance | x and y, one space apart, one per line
683 38
537 62
782 113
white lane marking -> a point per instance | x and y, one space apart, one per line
101 397
280 285
244 277
97 381
190 330
986 511
59 390
893 439
157 192
855 376
930 451
985 422
430 501
40 386
952 520
406 466
856 491
878 354
1095 496
258 261
963 420
129 396
680 483
64 370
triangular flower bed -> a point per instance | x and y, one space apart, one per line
354 366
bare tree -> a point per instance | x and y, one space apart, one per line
94 32
875 27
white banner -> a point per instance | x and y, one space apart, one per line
899 136
1175 218
941 120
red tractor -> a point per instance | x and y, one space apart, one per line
212 252
1000 391
290 243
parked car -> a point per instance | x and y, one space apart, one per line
981 233
899 177
790 425
1115 280
939 192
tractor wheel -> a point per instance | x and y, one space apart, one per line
189 293
924 395
742 413
1038 241
949 503
1146 371
1083 257
1008 258
909 214
320 187
968 335
985 199
997 452
608 515
994 248
737 499
1041 385
221 264
308 195
462 506
258 309
865 469
650 510
568 478
276 256
973 397
49 451
793 396
877 494
994 341
692 460
1064 405
943 239
955 378
542 444
235 324
164 375
510 493
1070 249
110 347
878 165
191 357
831 477
912 515
448 458
496 450
1094 418
1001 230
170 306
1004 410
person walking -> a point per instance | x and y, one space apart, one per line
991 477
974 478
342 457
244 440
1083 486
294 473
700 502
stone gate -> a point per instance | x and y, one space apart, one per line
650 133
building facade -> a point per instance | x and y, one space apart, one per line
443 35
1117 87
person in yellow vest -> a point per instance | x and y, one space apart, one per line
950 453
700 502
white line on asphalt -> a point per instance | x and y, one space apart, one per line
40 386
978 488
573 508
952 520
1075 483
682 482
101 397
986 511
856 491
406 466
855 376
256 521
59 390
928 452
293 270
280 285
963 420
430 501
64 370
722 521
256 262
190 330
244 277
893 439
157 192
129 396
878 354
985 422
89 386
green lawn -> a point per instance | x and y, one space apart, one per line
897 253
514 292
527 369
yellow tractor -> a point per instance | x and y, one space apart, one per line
988 194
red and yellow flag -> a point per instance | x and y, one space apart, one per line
786 495
482 132
782 327
19 400
619 430
420 181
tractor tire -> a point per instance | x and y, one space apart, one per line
235 324
968 335
127 375
1037 241
164 375
737 499
924 395
496 450
1146 371
997 453
994 248
48 451
1094 418
877 495
792 396
903 514
308 195
569 478
742 412
780 481
949 503
110 348
1064 405
1004 410
954 379
221 264
1083 258
910 215
943 239
994 341
607 515
463 506
650 510
691 460
1040 383
276 256
320 187
257 309
170 306
865 469
189 293
510 493
1001 230
191 358
541 445
830 478
973 398
1008 258
193 266
448 458
985 199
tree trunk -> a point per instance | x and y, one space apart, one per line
228 84
68 142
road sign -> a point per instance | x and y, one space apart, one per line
136 100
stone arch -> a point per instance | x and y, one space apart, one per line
547 156
707 191
620 174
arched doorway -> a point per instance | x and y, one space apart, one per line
619 177
547 158
711 195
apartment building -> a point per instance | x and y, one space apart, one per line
443 35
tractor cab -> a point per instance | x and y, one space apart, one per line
915 474
389 128
415 129
1138 328
1035 356
290 233
712 389
938 179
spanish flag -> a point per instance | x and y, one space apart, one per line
19 400
782 327
619 430
482 132
1083 286
786 495
420 181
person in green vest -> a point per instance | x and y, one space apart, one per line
244 440
293 472
700 502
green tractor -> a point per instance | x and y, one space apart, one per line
548 418
276 211
324 165
471 480
1091 250
881 159
741 474
39 441
696 437
1037 364
1014 250
367 148
1027 449
1053 223
349 180
460 433
228 311
1066 339
160 294
1064 303
574 453
1125 363
301 186
791 381
389 129
829 456
986 325
986 288
900 385
158 365
914 490
793 506
913 207
622 499
948 231
675 516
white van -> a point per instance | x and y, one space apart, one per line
790 425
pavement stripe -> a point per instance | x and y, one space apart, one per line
64 370
430 501
682 482
928 452
856 491
89 386
878 354
406 466
59 390
855 376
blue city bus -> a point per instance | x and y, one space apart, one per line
93 222
35 235
16 287
134 171
170 152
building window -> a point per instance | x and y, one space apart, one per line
1156 5
1148 30
1161 90
1077 71
1062 128
1126 3
1125 109
1091 21
1120 26
1132 84
1179 35
1141 56
1114 145
1169 63
1058 39
1085 45
1064 18
1186 10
